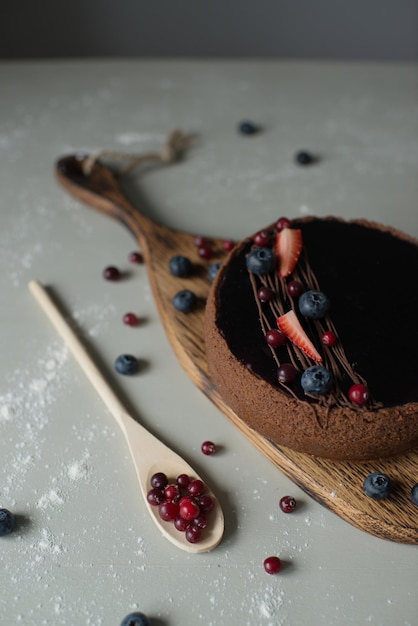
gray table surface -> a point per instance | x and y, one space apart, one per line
85 552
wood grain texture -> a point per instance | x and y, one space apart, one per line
336 485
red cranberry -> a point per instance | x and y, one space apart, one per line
282 223
181 524
208 448
274 338
205 251
130 319
196 487
205 503
171 492
286 373
287 504
265 294
168 510
111 273
183 481
272 565
136 257
295 289
189 509
200 521
262 238
329 338
193 533
199 240
159 480
155 497
227 244
359 394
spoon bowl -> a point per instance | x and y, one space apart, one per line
149 454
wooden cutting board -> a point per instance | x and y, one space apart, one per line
336 485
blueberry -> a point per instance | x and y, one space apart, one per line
316 380
135 619
213 270
180 266
314 304
184 301
377 486
304 158
414 494
126 364
260 261
7 522
248 128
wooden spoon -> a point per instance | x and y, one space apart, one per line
148 453
337 485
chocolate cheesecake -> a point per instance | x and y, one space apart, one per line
312 336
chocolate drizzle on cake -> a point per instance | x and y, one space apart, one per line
334 358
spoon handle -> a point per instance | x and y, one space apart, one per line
80 353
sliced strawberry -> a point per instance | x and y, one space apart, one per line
288 249
291 327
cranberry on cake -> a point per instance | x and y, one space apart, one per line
312 336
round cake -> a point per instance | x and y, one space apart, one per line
312 337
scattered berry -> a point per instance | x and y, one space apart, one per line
184 301
287 504
282 223
292 328
274 338
272 565
7 522
288 248
329 338
208 448
247 128
377 486
199 240
316 380
414 494
130 319
227 244
260 261
213 270
205 251
135 619
262 238
126 364
286 373
314 304
136 257
359 394
304 158
111 273
265 294
180 266
295 289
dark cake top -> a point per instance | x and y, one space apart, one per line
361 280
